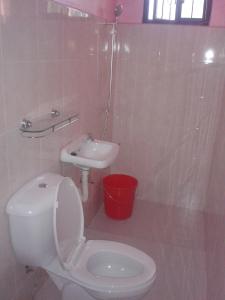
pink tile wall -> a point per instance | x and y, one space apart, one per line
168 99
47 60
215 222
216 188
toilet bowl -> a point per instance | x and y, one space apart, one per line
48 211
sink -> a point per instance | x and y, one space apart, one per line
90 153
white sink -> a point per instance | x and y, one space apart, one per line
90 153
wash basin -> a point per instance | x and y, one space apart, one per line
86 152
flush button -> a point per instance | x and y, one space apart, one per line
42 185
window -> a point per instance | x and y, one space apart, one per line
177 11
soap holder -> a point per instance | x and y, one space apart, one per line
47 124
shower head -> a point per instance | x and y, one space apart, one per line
118 10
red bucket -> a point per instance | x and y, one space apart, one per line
119 193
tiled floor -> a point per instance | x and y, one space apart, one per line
180 242
175 240
48 292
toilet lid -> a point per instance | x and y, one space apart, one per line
68 222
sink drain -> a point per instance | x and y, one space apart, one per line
73 153
42 185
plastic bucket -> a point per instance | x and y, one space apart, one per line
119 193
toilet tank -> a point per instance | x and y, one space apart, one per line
30 213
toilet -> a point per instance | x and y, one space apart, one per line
47 230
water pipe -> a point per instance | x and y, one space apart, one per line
84 184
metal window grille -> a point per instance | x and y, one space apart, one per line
177 11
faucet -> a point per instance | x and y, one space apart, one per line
90 137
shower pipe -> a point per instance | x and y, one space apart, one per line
85 172
117 12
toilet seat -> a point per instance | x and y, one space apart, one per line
68 231
144 265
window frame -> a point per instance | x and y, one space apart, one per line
178 20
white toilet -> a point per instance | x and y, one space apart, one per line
47 230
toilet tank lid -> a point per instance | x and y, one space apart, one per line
35 197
